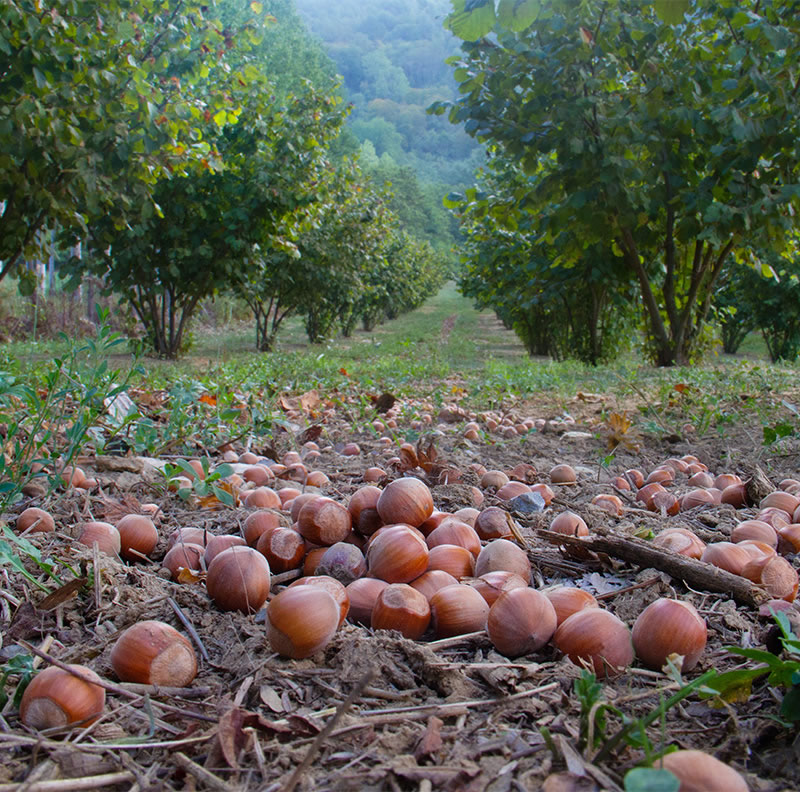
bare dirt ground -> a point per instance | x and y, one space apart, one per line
396 714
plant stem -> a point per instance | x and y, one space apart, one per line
685 691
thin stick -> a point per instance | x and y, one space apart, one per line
201 774
463 704
98 589
315 746
71 784
282 577
446 643
696 573
164 690
189 627
644 584
18 739
10 597
484 666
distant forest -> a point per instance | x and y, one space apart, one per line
391 55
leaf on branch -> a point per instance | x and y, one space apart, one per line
672 11
474 22
517 15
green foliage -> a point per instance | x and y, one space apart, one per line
21 667
646 139
348 262
409 273
780 672
772 434
13 546
417 205
213 221
769 303
391 56
284 49
473 19
199 486
52 423
730 306
594 709
97 103
582 311
594 729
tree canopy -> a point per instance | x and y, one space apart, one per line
97 103
672 142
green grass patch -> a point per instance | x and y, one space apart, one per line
443 351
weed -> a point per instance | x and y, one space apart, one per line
594 725
784 672
13 546
207 488
50 421
20 666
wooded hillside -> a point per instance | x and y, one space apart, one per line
391 56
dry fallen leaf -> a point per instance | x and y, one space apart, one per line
431 740
309 400
619 431
62 594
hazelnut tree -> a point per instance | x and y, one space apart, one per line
665 133
97 104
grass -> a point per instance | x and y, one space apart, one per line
448 348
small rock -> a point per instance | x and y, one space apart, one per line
577 436
528 503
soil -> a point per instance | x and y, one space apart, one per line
400 714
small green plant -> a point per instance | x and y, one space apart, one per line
20 666
594 729
776 432
780 671
51 419
209 484
781 430
651 779
13 546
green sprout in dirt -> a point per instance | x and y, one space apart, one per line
51 420
781 430
594 729
200 486
48 423
21 667
13 546
781 671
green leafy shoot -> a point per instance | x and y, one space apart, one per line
633 732
13 546
783 672
200 486
777 432
651 779
21 666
